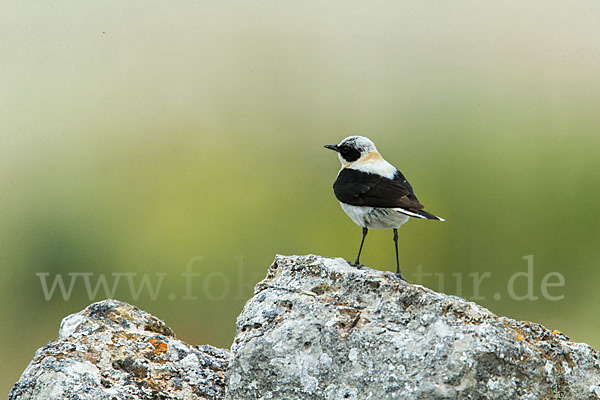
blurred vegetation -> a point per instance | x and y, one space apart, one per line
137 136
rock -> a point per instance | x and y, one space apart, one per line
318 328
112 350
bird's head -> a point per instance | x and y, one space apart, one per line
353 149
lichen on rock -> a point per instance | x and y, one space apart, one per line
112 350
318 328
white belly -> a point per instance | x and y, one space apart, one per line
375 218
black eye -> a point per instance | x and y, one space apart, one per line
349 153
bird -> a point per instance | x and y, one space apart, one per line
374 193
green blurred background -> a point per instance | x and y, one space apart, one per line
137 135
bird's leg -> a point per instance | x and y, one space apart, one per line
357 262
398 274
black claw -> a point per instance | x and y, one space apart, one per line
399 275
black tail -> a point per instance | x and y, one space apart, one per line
427 215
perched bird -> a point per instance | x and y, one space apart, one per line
372 192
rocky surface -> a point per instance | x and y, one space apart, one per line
114 351
320 329
316 328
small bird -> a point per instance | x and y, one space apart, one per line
372 192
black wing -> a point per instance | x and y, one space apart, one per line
359 188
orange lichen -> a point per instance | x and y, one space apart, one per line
159 346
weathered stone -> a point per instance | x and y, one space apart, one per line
318 328
112 350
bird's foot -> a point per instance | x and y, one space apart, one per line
399 275
356 265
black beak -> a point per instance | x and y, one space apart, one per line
332 147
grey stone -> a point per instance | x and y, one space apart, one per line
112 350
318 328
